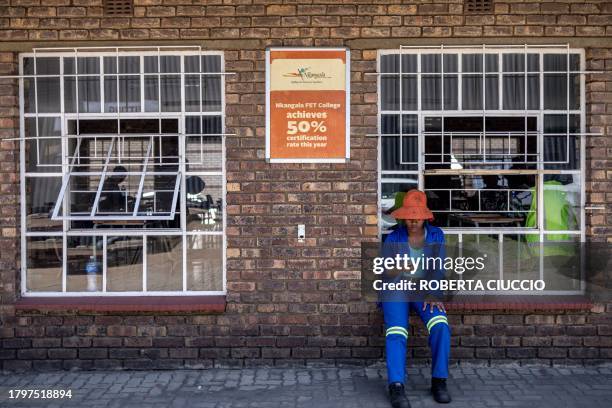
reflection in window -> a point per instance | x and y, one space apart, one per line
44 263
164 263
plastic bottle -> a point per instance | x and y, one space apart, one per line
92 270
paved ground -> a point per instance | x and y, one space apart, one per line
314 388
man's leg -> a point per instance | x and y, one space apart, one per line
396 336
436 322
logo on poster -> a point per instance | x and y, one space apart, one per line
307 76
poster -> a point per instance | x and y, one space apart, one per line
307 105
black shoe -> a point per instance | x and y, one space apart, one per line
439 391
398 396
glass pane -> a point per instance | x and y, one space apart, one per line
129 93
556 141
110 94
390 148
29 90
124 263
204 153
451 98
430 63
170 63
561 253
89 94
472 92
41 195
431 92
471 63
513 63
211 93
389 87
48 94
150 64
84 264
491 62
44 66
43 155
209 63
83 191
151 84
86 65
561 204
170 93
390 63
129 65
555 91
486 247
211 124
164 263
192 92
44 264
204 203
519 261
204 262
492 92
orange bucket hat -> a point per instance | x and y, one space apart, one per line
414 207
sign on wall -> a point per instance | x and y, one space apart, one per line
307 105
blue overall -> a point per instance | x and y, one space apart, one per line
396 317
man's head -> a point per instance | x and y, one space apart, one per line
413 210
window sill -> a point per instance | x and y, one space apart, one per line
210 304
567 302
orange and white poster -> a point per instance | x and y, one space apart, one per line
307 105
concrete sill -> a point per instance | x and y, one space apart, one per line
519 303
210 304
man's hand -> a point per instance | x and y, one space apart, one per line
439 305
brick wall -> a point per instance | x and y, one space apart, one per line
292 303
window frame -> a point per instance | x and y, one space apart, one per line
182 115
539 172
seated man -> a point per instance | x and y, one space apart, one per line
423 239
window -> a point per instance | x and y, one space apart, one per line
493 135
123 172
